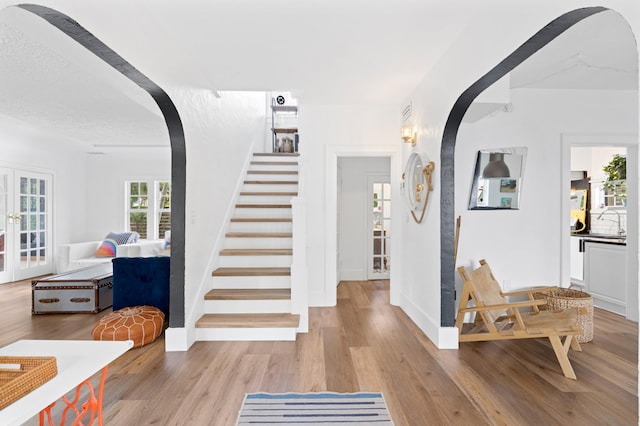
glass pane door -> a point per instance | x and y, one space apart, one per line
25 224
380 228
32 223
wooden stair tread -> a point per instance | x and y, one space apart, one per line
261 219
285 130
256 252
263 206
259 235
284 108
274 163
251 272
272 172
248 321
270 182
249 294
276 154
271 193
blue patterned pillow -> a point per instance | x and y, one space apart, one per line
123 237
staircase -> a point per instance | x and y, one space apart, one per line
251 295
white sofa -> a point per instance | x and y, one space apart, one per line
81 255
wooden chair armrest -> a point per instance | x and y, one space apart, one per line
523 304
529 291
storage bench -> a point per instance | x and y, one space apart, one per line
88 290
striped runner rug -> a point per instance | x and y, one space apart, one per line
326 408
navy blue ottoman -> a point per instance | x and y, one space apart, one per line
140 281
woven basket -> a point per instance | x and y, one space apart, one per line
33 372
563 298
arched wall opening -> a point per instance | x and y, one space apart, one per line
450 135
176 138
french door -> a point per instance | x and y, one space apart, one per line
379 227
25 224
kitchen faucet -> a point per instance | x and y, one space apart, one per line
620 230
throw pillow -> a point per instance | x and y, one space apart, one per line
167 240
122 237
106 249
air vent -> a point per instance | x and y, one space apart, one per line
406 112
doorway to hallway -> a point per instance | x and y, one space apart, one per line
363 218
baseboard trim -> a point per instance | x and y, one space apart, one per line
176 339
353 275
442 337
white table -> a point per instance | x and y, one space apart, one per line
77 361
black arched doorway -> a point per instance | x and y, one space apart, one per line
176 137
447 155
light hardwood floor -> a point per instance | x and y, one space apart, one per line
363 344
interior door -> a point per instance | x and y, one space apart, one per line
6 272
379 227
25 214
34 206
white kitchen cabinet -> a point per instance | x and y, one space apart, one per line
577 260
605 275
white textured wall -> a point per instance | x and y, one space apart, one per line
220 134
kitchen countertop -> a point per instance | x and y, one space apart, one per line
603 238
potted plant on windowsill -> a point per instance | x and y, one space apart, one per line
616 182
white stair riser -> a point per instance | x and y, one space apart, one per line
271 176
262 212
244 306
264 199
276 159
255 261
264 187
292 167
254 243
252 282
245 334
289 175
260 227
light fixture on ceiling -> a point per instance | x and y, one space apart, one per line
496 166
408 135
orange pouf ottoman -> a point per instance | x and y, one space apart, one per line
142 324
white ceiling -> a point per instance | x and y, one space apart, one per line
333 51
54 85
597 54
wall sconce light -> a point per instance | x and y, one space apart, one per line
408 135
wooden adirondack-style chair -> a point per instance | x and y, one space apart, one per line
498 319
